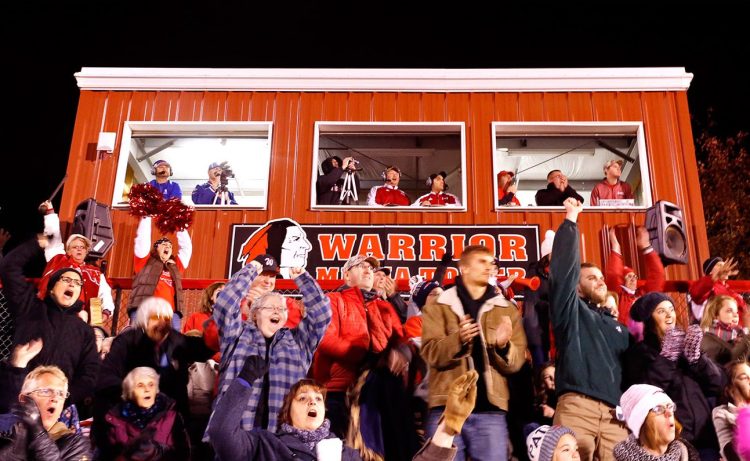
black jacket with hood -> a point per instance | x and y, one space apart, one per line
68 341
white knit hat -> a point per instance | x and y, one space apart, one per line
546 247
542 441
637 401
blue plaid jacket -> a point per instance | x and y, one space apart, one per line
291 349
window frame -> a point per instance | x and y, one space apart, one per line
330 126
201 129
530 129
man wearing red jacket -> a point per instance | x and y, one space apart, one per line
624 281
389 194
363 327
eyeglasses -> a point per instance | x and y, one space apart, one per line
77 247
364 266
660 409
47 392
279 309
631 276
72 281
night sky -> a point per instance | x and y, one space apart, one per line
42 51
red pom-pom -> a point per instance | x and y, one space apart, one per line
173 216
144 200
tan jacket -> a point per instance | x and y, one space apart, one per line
448 358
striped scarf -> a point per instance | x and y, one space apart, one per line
726 332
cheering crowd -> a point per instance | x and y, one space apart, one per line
591 365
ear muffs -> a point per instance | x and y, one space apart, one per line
430 178
153 170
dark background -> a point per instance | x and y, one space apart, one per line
44 46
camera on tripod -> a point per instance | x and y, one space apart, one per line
226 173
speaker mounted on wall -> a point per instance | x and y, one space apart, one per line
93 220
666 229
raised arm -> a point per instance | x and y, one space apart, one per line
317 317
143 238
185 250
615 265
565 267
52 231
655 277
227 313
20 293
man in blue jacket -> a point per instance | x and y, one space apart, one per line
589 344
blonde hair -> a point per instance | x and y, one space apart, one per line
152 306
128 384
30 382
470 251
712 310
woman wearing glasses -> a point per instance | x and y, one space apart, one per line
68 342
655 436
671 358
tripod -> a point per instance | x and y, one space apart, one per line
222 196
348 190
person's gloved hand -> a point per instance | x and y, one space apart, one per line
28 412
693 340
255 367
461 399
673 344
446 260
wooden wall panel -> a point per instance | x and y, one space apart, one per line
665 117
556 107
580 107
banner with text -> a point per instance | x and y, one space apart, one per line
406 250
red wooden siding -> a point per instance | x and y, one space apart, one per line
665 116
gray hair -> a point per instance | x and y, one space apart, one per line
260 302
128 384
152 306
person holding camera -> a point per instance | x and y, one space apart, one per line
215 191
506 189
333 180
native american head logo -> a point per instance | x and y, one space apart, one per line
283 238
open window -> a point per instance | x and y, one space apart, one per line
241 149
532 151
418 150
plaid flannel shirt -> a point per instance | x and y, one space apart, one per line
291 350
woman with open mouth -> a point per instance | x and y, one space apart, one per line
303 432
671 358
146 424
650 415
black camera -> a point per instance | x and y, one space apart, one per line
226 173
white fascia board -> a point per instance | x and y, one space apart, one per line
386 80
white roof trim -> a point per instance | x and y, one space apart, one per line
386 80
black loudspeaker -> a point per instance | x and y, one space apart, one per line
666 228
93 220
